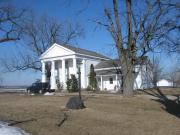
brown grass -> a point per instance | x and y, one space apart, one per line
104 115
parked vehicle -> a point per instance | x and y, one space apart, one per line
39 87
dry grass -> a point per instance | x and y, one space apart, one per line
104 115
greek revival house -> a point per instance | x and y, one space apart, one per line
64 60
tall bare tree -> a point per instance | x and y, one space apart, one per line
156 71
174 76
38 35
144 31
145 26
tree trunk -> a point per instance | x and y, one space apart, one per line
128 77
128 83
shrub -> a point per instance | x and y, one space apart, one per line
72 84
68 84
89 88
92 78
59 85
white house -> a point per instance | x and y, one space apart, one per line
164 83
65 59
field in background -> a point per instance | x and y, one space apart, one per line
13 89
106 114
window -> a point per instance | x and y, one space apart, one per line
111 80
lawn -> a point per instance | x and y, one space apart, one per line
106 114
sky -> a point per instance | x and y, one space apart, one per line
96 38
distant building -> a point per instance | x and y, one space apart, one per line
64 61
164 83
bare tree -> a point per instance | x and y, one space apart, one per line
38 35
144 31
174 76
145 26
156 71
10 23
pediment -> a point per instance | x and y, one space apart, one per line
56 51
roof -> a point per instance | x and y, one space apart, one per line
116 63
110 67
108 64
84 51
163 79
108 72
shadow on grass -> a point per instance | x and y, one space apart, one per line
171 106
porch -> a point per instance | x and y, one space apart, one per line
109 82
61 69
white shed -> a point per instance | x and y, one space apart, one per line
164 82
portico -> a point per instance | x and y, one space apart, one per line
62 68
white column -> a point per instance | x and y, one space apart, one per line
59 68
75 66
83 74
53 79
101 83
43 72
63 72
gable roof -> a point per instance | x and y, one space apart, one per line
84 51
76 50
56 50
116 63
108 72
108 64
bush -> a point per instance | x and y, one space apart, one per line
92 79
72 84
68 84
59 85
89 88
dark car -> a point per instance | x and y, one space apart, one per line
39 87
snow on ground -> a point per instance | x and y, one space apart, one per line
48 94
9 130
170 97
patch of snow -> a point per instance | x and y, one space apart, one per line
48 94
170 97
60 94
9 130
112 91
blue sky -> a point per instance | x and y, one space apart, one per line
61 11
96 38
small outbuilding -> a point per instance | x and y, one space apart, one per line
164 83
